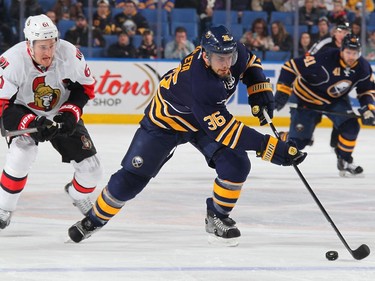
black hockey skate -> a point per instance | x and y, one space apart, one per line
82 230
348 168
224 230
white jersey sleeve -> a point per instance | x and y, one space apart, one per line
43 90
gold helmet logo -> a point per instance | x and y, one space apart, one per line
226 38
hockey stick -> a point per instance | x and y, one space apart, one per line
345 114
362 251
15 133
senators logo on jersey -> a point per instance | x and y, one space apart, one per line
45 98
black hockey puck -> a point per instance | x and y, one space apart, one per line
332 255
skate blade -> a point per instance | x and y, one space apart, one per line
346 174
216 240
69 241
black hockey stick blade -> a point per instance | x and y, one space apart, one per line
362 252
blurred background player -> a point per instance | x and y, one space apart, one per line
190 106
44 79
322 83
335 41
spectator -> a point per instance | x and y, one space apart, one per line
282 40
257 39
180 46
6 35
308 14
304 44
324 6
168 5
358 11
123 48
32 8
187 4
356 6
323 30
52 15
240 6
67 9
78 35
370 48
338 14
102 18
129 20
206 10
121 3
339 32
148 48
270 6
356 27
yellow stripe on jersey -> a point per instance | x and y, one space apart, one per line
161 112
151 115
231 133
225 129
237 136
254 62
284 88
229 137
288 67
303 92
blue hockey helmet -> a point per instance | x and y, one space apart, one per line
220 41
352 42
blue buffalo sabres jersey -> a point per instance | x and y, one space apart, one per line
192 97
324 78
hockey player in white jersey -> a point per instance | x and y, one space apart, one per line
44 84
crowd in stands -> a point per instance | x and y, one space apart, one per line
128 28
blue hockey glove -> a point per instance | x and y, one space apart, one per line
367 114
279 152
282 95
281 99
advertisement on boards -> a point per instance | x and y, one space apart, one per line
124 88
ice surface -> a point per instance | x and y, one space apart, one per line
160 234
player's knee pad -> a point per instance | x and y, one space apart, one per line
124 185
20 157
232 165
88 172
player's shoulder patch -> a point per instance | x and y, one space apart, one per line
79 54
3 62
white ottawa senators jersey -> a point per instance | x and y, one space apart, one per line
43 90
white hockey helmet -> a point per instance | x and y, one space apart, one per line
40 27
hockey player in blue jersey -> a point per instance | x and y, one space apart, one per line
322 83
190 106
